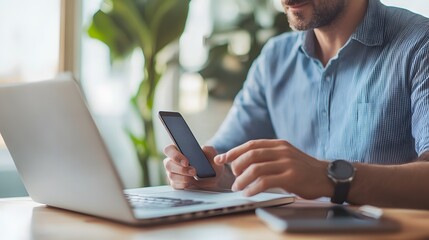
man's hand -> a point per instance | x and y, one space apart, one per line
181 175
262 164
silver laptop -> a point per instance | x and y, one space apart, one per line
63 162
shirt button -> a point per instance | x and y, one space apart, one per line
324 112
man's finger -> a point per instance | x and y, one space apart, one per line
179 186
174 167
255 171
234 153
263 183
177 178
240 164
172 152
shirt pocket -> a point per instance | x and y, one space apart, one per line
365 126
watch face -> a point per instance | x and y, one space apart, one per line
341 170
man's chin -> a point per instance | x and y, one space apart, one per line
299 20
298 24
299 27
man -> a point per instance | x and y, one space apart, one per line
353 84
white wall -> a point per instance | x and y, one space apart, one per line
417 6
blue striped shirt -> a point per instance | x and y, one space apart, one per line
370 103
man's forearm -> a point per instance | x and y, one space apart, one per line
403 186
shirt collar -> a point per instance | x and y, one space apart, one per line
307 43
369 32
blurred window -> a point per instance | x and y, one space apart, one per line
29 42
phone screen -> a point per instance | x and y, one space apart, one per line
187 144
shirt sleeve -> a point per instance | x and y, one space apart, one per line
249 116
420 99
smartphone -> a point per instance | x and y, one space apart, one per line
336 218
185 141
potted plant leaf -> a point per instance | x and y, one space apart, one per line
149 26
258 20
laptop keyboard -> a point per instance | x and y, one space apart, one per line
142 201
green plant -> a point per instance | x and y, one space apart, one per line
147 25
257 20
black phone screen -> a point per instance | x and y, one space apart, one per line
187 144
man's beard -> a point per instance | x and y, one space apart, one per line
323 14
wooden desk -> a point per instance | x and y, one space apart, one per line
21 218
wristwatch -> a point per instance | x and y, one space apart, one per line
341 172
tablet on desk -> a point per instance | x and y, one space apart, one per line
322 219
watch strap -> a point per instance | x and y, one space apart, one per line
341 191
